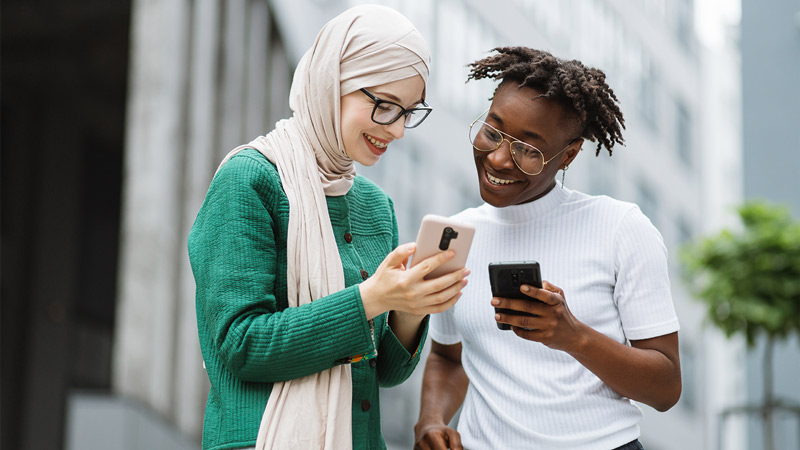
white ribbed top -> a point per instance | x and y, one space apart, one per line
612 265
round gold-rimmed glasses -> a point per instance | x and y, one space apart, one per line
529 159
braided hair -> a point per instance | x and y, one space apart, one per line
580 88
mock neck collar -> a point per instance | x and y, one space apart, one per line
531 210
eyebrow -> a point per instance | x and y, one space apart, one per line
528 134
392 97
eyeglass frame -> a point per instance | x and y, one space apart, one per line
403 111
510 142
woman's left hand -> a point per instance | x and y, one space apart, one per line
551 322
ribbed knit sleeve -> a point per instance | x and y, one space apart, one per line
233 250
642 292
396 363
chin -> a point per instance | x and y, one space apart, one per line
494 200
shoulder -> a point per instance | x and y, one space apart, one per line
248 165
366 193
602 210
247 173
599 203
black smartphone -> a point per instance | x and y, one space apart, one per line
506 278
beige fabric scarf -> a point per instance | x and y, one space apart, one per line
365 46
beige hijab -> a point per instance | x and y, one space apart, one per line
365 46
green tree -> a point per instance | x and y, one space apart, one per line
749 279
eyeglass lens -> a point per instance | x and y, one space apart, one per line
486 138
386 113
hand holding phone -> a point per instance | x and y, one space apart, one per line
438 234
506 279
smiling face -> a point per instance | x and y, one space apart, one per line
540 122
364 140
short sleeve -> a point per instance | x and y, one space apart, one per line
642 291
443 328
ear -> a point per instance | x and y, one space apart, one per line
572 152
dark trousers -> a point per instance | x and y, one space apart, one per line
632 445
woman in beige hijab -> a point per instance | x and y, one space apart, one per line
304 303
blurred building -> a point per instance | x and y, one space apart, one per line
770 49
117 116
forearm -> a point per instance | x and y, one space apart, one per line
648 371
406 327
282 345
444 386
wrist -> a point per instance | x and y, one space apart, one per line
408 317
583 339
372 307
428 420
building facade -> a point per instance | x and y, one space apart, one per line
204 76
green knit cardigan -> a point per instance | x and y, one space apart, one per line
249 337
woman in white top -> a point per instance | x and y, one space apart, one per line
603 331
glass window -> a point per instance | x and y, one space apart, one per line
683 22
683 133
647 200
648 89
688 399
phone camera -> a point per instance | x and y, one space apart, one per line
447 234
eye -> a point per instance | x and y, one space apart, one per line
526 151
492 134
384 107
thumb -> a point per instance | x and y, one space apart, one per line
399 256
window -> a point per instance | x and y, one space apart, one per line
683 133
647 201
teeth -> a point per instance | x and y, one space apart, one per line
495 180
376 142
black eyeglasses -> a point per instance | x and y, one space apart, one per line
387 113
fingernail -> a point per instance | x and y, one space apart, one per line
525 288
466 271
450 254
495 302
497 317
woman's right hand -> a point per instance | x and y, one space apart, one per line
393 287
436 436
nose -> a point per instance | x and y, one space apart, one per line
501 158
397 129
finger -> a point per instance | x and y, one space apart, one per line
443 306
552 296
399 256
430 264
454 439
515 320
530 335
448 292
532 306
447 285
443 282
432 440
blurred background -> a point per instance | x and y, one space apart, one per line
116 113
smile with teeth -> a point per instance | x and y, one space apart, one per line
375 142
500 181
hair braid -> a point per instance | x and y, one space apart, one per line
584 89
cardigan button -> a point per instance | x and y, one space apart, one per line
348 238
364 274
373 363
365 405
